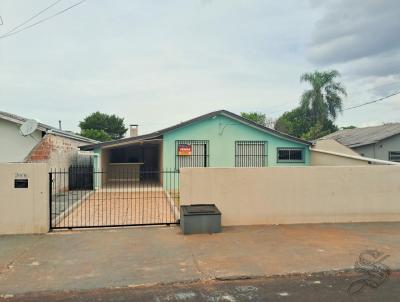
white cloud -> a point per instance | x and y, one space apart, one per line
351 30
158 63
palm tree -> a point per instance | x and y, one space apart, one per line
324 99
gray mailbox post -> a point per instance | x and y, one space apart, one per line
200 218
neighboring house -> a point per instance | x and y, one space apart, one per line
46 144
216 139
379 142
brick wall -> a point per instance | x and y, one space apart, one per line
41 152
57 151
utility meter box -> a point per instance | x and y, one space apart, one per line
200 218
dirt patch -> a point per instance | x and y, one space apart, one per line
332 236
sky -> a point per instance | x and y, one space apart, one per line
157 62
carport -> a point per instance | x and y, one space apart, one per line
129 188
131 162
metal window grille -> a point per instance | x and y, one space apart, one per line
197 154
394 156
251 154
290 155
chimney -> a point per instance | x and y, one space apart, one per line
133 130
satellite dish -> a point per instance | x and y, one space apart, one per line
28 127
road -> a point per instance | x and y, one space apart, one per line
317 287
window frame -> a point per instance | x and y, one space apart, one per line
390 155
204 142
302 160
248 142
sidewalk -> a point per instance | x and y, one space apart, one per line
82 260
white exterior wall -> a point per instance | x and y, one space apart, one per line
14 146
24 210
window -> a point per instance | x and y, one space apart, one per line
191 153
394 156
290 155
250 154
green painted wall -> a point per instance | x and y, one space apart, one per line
97 167
97 152
222 132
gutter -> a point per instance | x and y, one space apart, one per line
368 159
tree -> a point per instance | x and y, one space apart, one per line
99 135
101 125
319 107
298 123
259 118
320 129
324 99
295 122
256 117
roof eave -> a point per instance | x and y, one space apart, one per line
46 128
40 127
242 120
120 142
72 136
200 118
266 129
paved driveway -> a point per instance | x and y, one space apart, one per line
63 201
119 207
82 260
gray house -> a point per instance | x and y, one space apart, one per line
379 142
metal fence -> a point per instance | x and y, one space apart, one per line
128 197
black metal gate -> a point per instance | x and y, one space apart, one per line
83 198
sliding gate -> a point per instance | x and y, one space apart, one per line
83 198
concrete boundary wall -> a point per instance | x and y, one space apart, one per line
280 195
24 210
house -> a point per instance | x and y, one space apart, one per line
378 142
216 139
47 144
328 152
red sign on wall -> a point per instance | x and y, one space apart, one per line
184 150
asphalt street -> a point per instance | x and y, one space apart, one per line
316 287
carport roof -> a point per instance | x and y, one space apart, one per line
158 134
